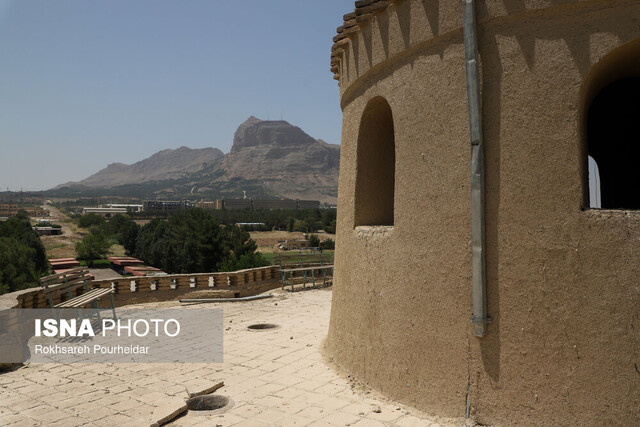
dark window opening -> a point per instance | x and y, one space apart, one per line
613 141
376 166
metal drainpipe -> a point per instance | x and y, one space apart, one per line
478 268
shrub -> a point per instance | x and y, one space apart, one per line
89 220
328 244
314 241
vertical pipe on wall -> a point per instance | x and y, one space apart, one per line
478 274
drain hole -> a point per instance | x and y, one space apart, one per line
260 326
207 403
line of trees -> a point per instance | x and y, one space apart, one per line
303 220
23 258
192 241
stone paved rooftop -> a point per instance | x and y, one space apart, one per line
275 377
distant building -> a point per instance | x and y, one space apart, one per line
8 209
237 204
261 204
219 204
165 206
308 204
275 204
104 211
11 209
128 207
206 205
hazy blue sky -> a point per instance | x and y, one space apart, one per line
86 83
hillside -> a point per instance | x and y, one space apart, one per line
163 165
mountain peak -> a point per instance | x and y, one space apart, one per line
252 120
255 132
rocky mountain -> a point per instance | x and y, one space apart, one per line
289 162
268 159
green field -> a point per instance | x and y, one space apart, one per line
97 263
273 257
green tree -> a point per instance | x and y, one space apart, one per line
128 236
93 246
90 219
19 228
124 230
301 225
248 260
151 243
328 244
17 266
314 241
194 242
238 241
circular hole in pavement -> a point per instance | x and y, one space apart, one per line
210 402
262 326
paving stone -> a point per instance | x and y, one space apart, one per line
409 421
250 423
6 420
46 413
297 421
125 404
385 415
65 422
313 412
270 416
248 411
22 404
310 385
366 422
340 418
152 398
272 379
289 393
93 411
331 389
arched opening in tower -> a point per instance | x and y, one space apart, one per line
613 141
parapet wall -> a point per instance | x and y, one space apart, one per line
135 290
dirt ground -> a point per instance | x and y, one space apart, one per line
64 245
266 240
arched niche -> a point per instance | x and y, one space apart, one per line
375 166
